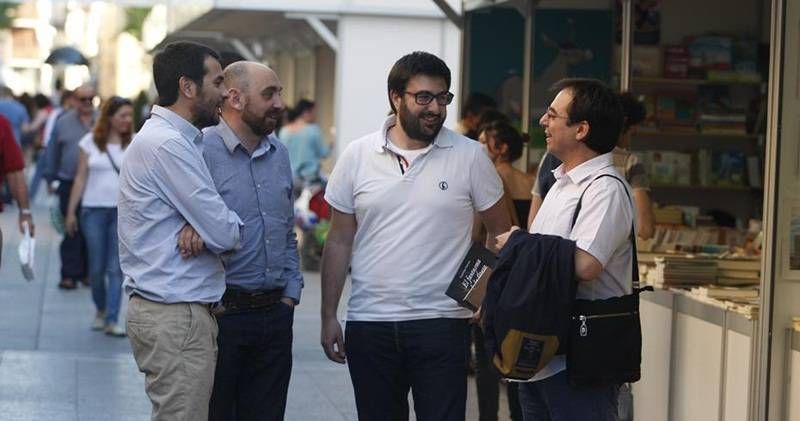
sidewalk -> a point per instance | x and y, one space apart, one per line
52 367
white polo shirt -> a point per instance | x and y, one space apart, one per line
413 227
602 229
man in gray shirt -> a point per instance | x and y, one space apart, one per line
251 170
165 186
61 164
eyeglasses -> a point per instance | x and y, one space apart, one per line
551 115
425 97
85 99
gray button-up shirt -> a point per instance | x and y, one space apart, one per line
164 183
259 188
61 155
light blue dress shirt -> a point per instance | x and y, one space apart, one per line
258 188
164 184
306 148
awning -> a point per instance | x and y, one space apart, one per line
256 34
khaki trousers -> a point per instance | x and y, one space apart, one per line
175 346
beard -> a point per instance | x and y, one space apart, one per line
260 125
206 113
417 128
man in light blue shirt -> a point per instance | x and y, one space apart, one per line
251 171
165 186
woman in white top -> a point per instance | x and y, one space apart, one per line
94 198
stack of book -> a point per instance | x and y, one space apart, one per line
728 123
744 295
682 271
672 215
738 272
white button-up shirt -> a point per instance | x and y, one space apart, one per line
602 229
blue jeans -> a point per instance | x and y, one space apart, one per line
99 227
254 364
386 359
553 399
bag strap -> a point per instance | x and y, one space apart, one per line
111 160
631 237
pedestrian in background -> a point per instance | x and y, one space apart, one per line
96 188
303 138
403 200
11 170
62 164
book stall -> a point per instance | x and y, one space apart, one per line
720 81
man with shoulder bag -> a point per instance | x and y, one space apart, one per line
590 205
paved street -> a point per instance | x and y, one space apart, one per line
52 367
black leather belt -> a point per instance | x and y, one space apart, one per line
239 299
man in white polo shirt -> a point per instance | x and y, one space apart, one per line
403 202
582 126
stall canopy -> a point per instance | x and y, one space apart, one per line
256 34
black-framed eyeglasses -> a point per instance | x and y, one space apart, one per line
425 97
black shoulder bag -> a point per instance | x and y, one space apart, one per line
605 339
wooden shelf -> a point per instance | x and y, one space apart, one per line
689 82
715 189
642 134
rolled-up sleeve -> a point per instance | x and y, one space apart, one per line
189 188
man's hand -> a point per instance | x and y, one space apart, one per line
333 340
25 216
502 239
189 242
288 301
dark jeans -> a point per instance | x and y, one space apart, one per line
254 364
99 227
552 399
487 382
386 359
73 248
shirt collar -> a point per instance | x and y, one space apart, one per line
187 129
231 140
585 170
381 141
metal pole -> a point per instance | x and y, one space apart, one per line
527 79
770 255
625 65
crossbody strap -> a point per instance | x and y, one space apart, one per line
111 160
631 236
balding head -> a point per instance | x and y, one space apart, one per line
241 74
253 96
